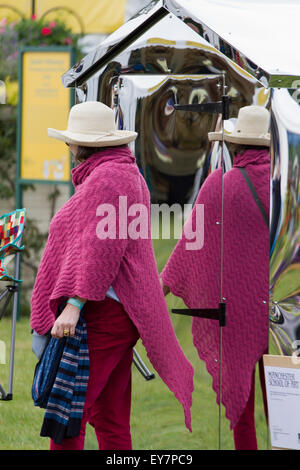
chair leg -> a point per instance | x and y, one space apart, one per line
12 343
14 324
3 395
9 395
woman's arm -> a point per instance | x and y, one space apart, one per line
67 320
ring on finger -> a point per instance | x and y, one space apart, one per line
66 332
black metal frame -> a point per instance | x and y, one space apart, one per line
219 314
209 313
218 107
141 367
12 291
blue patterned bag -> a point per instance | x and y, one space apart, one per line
47 367
60 383
46 371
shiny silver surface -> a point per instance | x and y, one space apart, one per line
159 69
259 36
178 59
241 31
115 43
172 145
285 224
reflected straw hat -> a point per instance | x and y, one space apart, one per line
92 124
251 128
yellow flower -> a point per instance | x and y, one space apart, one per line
12 91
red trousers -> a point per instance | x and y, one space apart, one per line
111 338
244 432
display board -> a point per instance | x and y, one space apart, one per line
43 103
282 375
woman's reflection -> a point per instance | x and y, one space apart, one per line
196 276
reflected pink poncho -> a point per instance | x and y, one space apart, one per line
195 277
77 262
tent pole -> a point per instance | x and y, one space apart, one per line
32 8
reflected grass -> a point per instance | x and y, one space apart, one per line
157 420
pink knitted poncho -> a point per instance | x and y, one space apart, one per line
195 277
77 262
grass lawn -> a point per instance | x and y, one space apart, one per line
157 418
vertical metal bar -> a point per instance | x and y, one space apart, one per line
19 184
19 133
222 200
272 148
220 391
72 103
221 273
14 324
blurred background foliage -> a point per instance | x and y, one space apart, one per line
13 36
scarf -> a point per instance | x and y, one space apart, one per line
76 261
65 405
195 277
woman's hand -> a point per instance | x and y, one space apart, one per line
66 321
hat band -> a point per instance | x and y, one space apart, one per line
90 132
248 134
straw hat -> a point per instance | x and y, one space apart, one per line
92 124
252 128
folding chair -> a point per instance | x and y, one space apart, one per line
11 233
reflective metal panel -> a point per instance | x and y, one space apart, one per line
260 36
171 63
175 52
155 61
285 224
172 145
143 54
171 48
115 43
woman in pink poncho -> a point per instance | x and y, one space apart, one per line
195 275
96 257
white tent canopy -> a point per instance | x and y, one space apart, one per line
265 31
261 36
